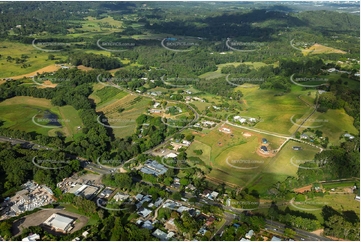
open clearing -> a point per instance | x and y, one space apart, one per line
39 217
233 157
37 59
17 112
321 49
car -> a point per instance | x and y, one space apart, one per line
90 168
302 239
275 229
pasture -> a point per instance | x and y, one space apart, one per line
18 112
37 60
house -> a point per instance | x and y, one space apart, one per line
144 212
158 202
214 194
106 192
331 70
210 220
176 181
186 142
274 238
120 197
31 237
348 136
171 155
202 231
357 198
225 130
156 104
85 234
59 223
191 187
188 92
304 136
162 236
236 225
252 120
148 225
216 108
139 197
264 141
296 148
264 149
181 209
249 234
155 111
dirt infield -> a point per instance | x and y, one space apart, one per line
303 189
39 217
50 68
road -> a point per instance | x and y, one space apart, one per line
278 228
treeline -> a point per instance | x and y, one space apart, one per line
345 225
93 60
19 165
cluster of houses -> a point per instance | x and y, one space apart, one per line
86 189
206 124
189 99
244 120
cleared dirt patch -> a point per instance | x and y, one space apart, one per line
84 68
303 189
50 68
38 218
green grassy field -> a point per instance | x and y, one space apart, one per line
233 159
18 112
37 58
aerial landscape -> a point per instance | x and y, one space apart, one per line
180 120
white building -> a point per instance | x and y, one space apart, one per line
59 223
